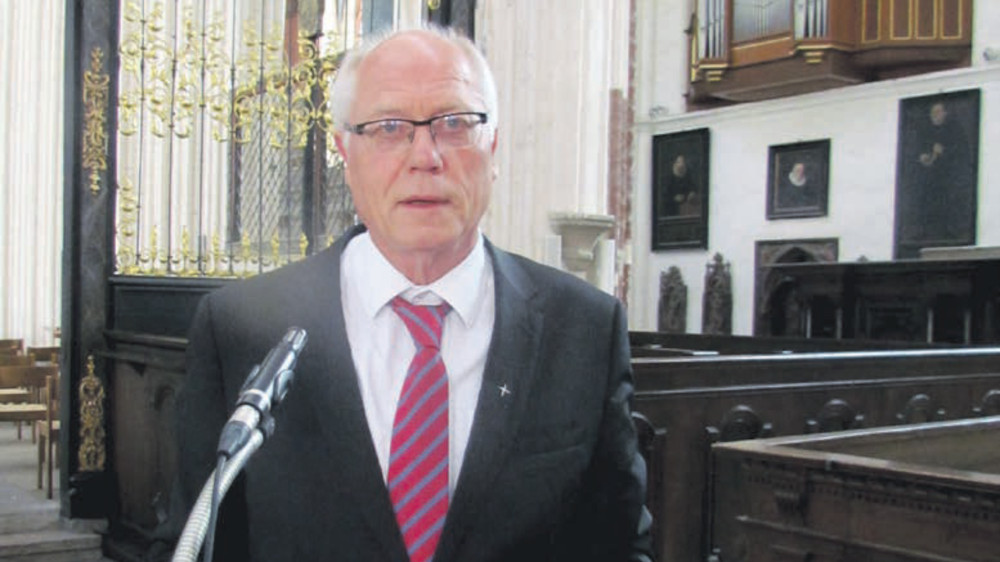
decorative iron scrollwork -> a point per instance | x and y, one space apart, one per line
95 103
92 446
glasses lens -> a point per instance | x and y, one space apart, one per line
457 130
389 133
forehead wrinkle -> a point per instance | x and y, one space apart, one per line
391 63
430 104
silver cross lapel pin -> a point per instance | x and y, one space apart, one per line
504 391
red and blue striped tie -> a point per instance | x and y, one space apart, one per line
418 462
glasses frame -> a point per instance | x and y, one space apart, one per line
359 129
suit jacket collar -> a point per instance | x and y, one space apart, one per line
510 370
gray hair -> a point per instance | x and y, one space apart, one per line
345 83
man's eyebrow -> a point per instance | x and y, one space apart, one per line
382 113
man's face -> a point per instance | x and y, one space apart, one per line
938 114
420 199
680 166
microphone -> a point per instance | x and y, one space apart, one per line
263 389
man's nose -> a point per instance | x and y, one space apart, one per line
423 149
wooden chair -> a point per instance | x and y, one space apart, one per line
45 354
16 360
48 432
28 377
15 395
11 347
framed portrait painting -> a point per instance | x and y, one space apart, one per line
798 179
680 190
937 164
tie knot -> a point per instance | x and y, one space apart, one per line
424 322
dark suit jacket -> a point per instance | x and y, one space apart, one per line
551 471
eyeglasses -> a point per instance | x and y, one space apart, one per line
454 130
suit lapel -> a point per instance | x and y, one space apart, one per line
507 380
332 389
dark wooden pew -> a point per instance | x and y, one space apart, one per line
910 493
646 343
144 366
654 374
692 402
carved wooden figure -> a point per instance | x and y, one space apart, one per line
672 311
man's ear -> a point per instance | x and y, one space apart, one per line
338 139
341 142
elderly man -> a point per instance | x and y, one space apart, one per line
455 402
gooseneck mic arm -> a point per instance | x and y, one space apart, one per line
203 515
244 433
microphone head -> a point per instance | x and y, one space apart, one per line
264 388
296 337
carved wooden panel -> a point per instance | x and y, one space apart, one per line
953 14
941 301
776 304
927 493
146 374
870 20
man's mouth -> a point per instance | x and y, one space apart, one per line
423 202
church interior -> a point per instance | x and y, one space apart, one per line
792 198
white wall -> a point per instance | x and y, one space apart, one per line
985 35
661 57
861 123
555 63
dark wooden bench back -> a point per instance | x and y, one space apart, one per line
693 402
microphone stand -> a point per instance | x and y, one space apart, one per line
244 433
189 545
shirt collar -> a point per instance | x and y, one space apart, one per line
459 287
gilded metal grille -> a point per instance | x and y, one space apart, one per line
223 160
270 181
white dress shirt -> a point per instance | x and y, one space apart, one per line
382 347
